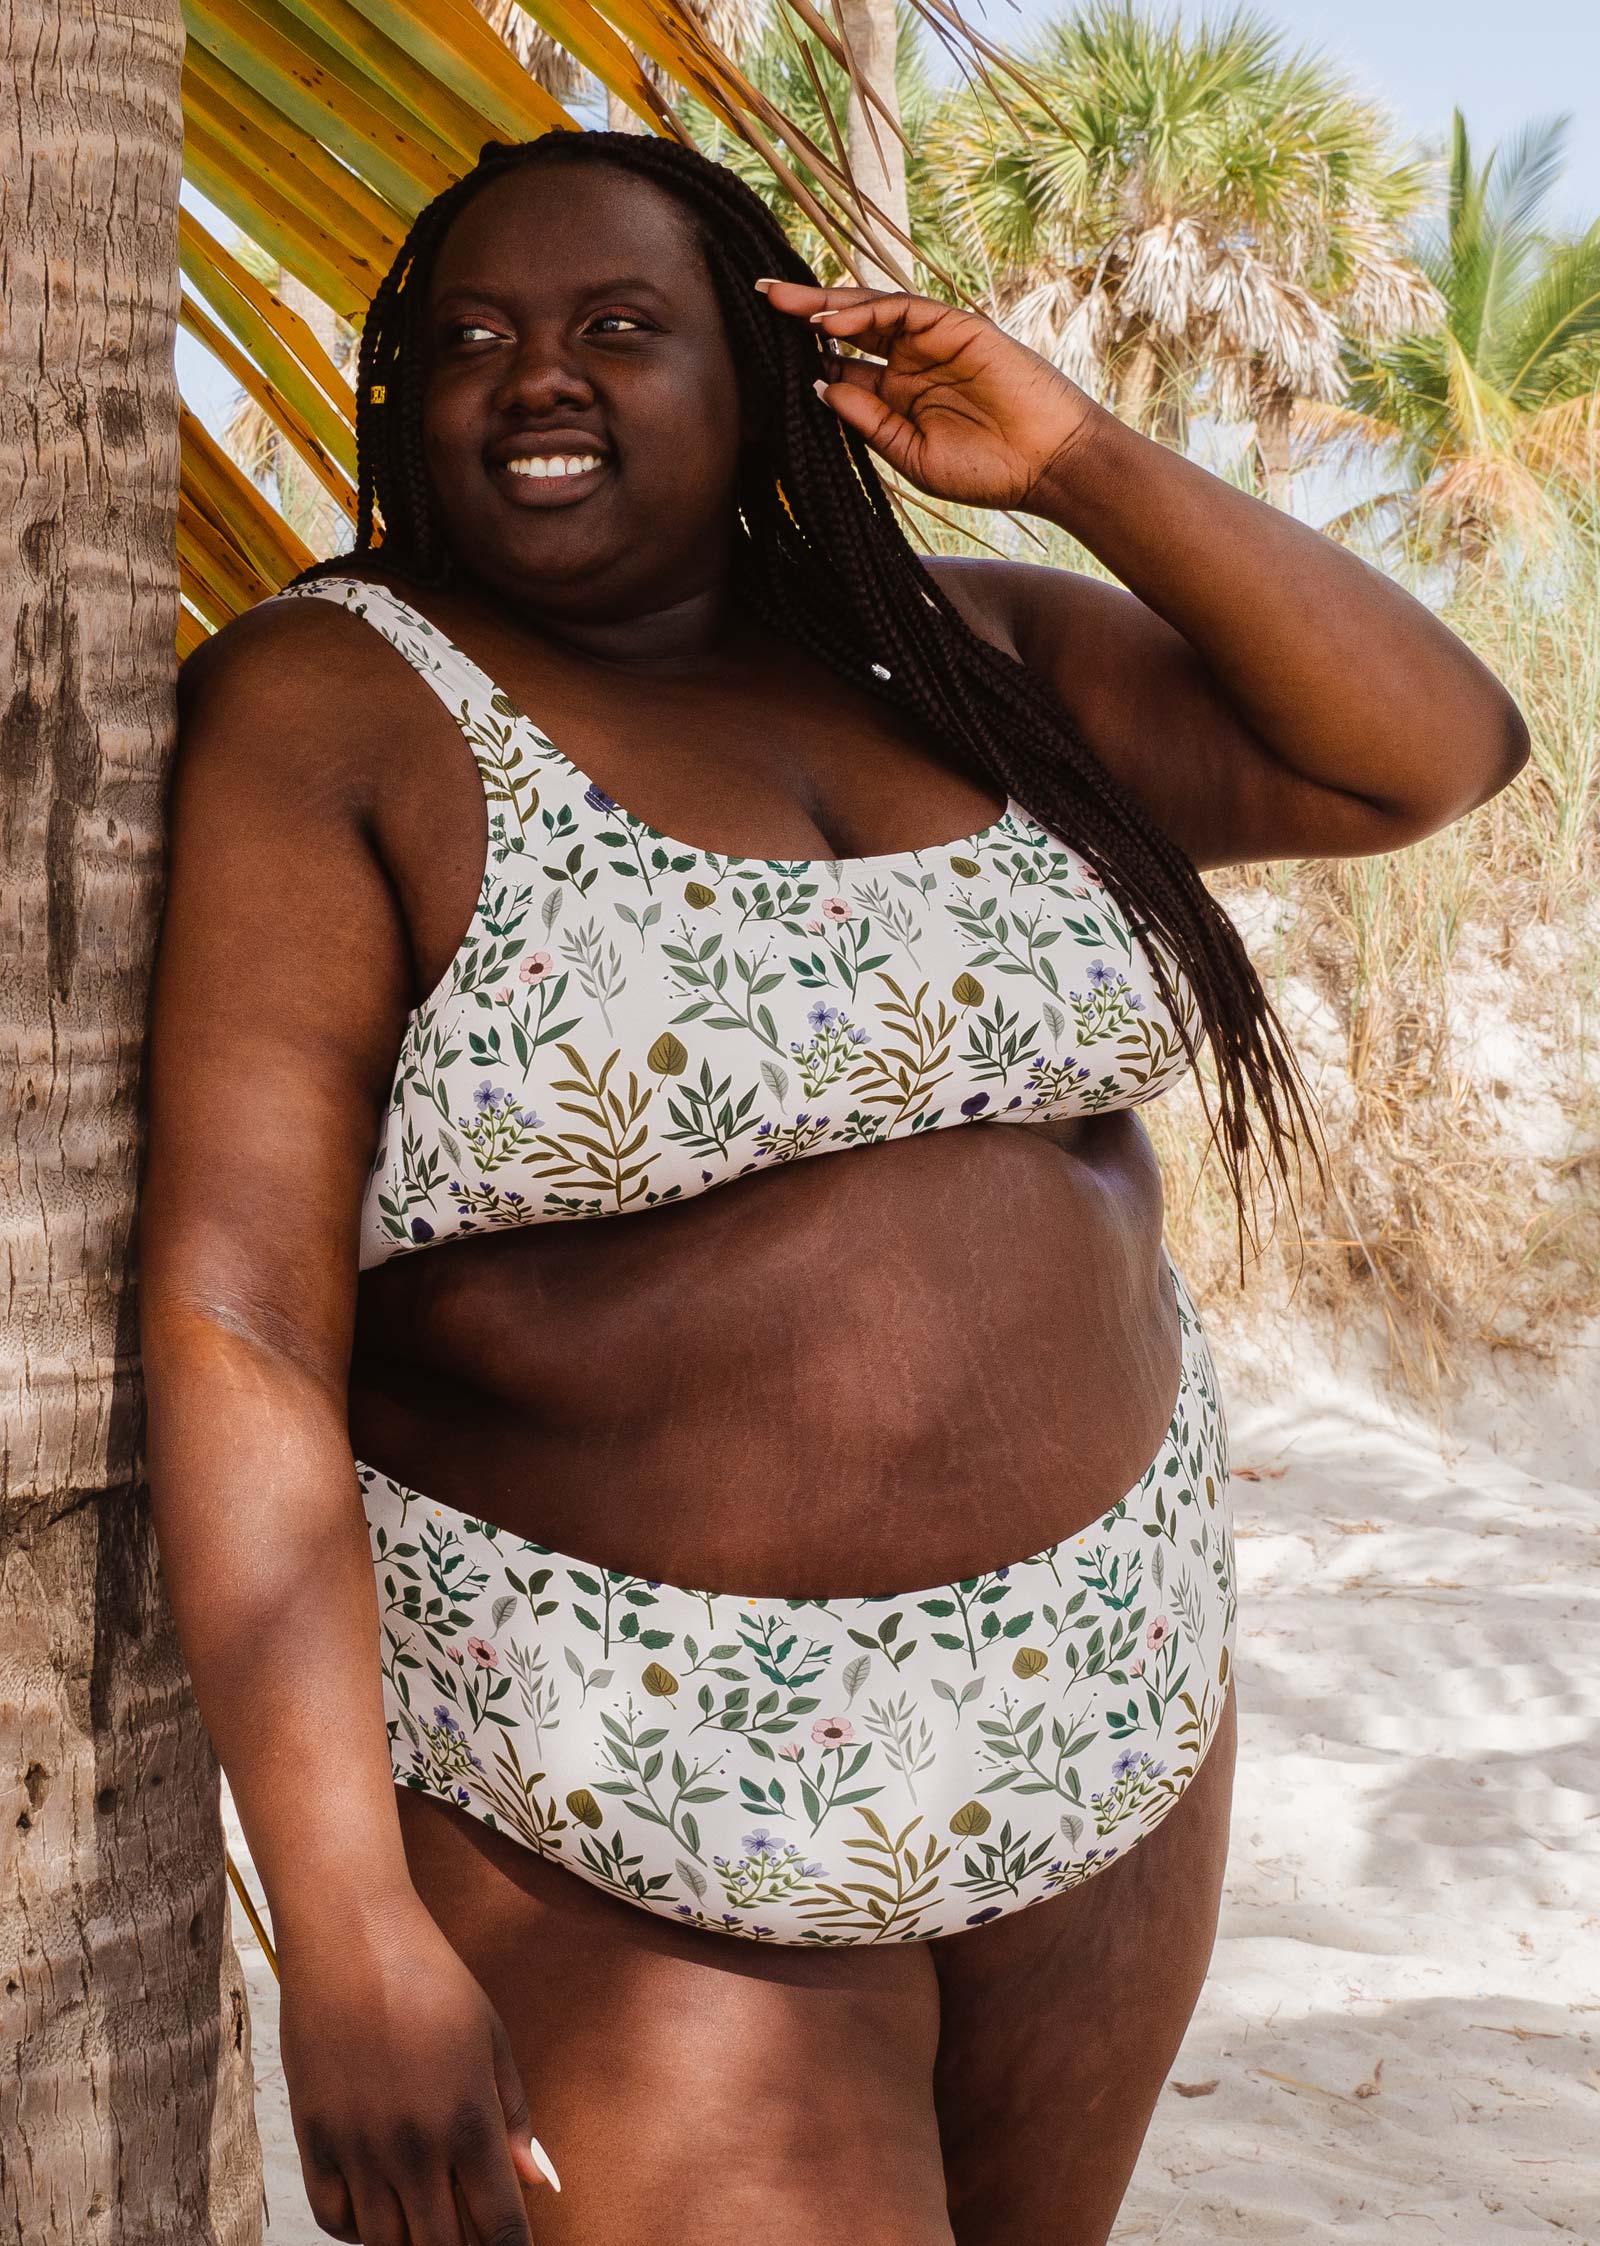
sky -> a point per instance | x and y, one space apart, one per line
1504 67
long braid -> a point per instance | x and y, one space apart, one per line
827 565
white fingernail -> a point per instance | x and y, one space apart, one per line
821 388
541 2161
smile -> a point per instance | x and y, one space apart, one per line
556 464
551 478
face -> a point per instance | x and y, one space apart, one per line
581 416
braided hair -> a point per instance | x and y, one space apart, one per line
824 562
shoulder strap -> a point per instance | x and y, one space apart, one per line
494 729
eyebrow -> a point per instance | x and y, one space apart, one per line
621 285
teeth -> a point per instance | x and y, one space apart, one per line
554 464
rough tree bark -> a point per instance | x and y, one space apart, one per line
125 2083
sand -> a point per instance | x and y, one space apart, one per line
1400 2037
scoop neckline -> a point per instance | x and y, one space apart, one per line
960 846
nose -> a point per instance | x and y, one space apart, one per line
541 375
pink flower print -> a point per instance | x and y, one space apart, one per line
1136 1666
791 1753
832 1731
535 967
456 1655
485 1655
835 908
504 995
813 927
1158 1633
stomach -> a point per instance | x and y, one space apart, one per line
901 1364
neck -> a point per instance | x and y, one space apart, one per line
669 620
661 637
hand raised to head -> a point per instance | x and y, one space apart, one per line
949 400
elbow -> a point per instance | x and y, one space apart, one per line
1512 745
1474 761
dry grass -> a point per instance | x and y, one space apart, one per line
1446 1002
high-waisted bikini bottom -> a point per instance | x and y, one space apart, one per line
826 1770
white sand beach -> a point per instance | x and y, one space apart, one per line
1400 2038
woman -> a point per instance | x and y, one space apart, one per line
622 1657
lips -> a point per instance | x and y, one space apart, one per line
552 468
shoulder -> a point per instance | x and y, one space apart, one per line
290 690
1023 607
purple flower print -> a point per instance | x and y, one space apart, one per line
1099 974
596 798
822 1016
761 1844
976 1105
421 1231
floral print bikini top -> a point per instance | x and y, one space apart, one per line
630 1021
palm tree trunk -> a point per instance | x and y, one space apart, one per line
1274 457
125 2101
877 154
620 118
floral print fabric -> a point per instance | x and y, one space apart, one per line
830 1770
629 1020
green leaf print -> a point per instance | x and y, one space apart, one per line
634 1755
706 1119
1015 1741
997 1043
1000 1866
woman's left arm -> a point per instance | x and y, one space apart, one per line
1264 692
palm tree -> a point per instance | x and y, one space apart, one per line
1496 414
810 80
125 2104
1187 214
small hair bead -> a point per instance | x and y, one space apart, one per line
377 394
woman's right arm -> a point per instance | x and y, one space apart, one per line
281 989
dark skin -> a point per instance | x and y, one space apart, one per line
1262 693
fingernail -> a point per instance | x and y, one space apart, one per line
764 285
541 2161
824 314
821 388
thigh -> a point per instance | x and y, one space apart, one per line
1059 2025
693 2086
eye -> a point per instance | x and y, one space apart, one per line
618 323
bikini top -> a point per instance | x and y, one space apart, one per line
629 1020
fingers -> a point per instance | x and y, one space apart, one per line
380 2219
532 2163
486 2174
880 313
854 398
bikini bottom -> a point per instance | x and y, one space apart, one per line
823 1770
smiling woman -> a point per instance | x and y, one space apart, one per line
669 1406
